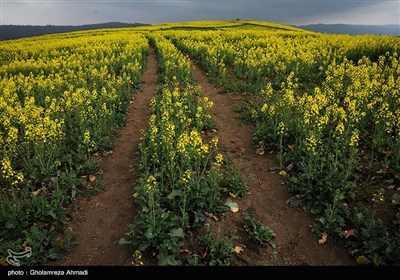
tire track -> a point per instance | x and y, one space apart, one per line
296 243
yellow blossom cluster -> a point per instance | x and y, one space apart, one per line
351 82
173 144
59 96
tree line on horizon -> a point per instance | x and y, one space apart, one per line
8 32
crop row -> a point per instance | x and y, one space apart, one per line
329 106
180 172
59 100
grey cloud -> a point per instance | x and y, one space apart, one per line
158 11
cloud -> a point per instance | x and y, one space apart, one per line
376 12
158 11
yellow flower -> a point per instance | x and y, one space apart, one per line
378 197
86 137
264 108
281 128
354 138
19 178
340 128
186 176
137 258
151 184
204 149
6 169
219 158
214 141
311 143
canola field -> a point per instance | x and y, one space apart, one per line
59 98
328 107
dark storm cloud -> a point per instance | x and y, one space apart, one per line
157 11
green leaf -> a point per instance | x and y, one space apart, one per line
272 244
55 253
10 225
274 168
171 260
176 233
230 203
123 241
294 180
315 210
174 193
52 214
73 192
296 201
149 233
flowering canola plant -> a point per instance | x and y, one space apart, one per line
60 96
328 104
180 172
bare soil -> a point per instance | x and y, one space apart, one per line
100 222
268 196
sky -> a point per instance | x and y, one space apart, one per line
294 12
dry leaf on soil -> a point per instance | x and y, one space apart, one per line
396 199
395 202
239 249
233 205
35 193
323 239
260 151
211 216
348 233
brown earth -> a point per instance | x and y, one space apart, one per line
103 220
268 196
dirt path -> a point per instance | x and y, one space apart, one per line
103 220
296 243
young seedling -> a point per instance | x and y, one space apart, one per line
258 232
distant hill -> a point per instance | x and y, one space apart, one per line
239 24
8 32
390 29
